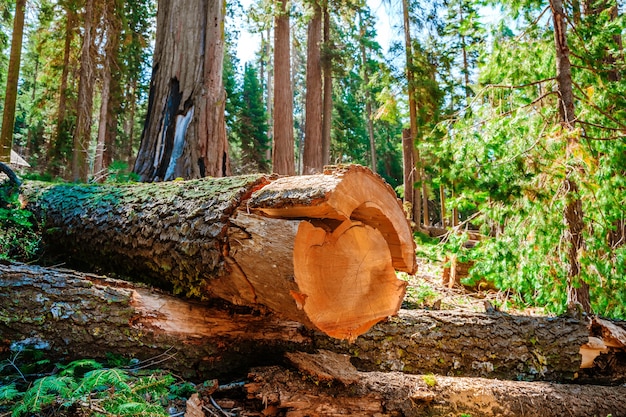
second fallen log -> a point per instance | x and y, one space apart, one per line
319 249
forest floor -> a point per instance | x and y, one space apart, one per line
425 290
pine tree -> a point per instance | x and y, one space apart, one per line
252 122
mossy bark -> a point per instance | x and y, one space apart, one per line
171 234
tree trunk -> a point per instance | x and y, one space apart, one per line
327 69
313 151
112 150
368 97
84 105
329 385
442 202
114 114
408 165
327 242
270 100
129 129
416 169
98 167
185 134
10 95
577 289
283 150
55 153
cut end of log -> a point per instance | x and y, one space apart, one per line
337 274
345 277
348 192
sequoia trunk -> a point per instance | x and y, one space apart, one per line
327 70
185 135
283 148
313 150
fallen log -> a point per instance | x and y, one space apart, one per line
71 315
492 345
318 249
331 386
75 315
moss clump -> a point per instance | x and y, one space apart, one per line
429 380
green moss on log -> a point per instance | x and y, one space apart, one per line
169 234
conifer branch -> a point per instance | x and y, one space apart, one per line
517 87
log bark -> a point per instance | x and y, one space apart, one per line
313 248
457 343
71 315
331 387
78 315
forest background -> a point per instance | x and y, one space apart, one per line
515 130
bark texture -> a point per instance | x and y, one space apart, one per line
82 132
170 234
313 154
72 315
283 149
184 134
470 344
76 315
311 248
330 386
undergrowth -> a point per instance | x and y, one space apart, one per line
86 387
19 239
425 289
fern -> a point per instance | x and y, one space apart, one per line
124 407
45 391
102 379
155 385
117 391
78 367
9 393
